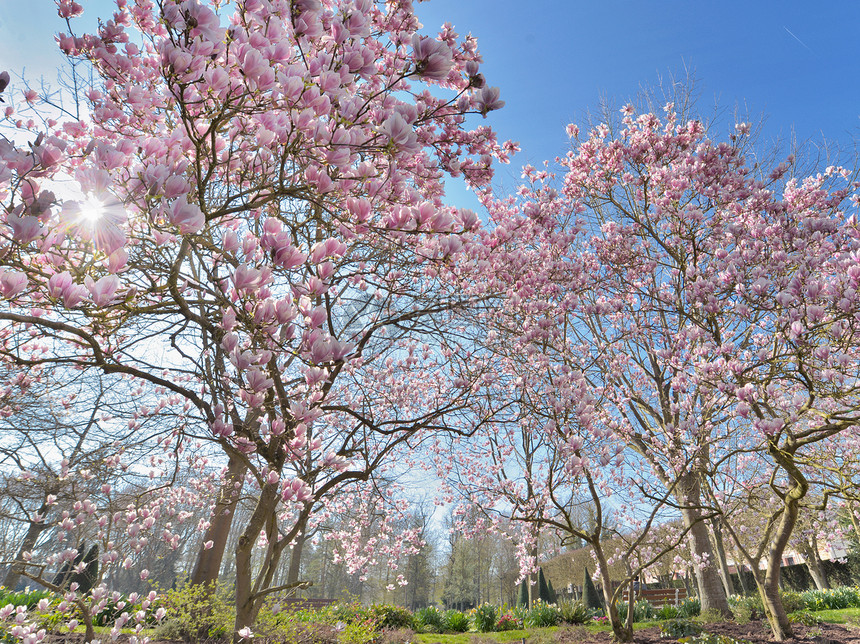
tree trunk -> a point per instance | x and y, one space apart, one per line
532 579
296 557
13 575
773 607
813 563
208 563
247 602
712 594
720 552
622 632
741 578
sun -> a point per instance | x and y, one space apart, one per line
92 209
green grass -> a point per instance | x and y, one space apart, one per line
839 616
843 616
465 638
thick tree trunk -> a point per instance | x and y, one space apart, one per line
773 607
720 552
248 601
712 594
13 575
208 563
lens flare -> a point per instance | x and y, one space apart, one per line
92 209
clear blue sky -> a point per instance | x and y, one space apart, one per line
794 61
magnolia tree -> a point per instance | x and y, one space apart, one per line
712 308
789 271
65 422
100 534
557 448
604 300
260 236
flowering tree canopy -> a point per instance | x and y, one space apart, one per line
684 303
259 235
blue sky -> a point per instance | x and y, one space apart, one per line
794 62
797 63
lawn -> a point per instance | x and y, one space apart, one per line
839 616
465 638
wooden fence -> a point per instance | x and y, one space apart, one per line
299 603
659 596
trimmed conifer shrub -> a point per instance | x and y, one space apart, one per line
543 588
589 593
523 596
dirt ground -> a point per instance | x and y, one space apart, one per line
755 631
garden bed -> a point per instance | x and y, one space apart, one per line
755 632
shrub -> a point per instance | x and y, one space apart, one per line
196 613
833 598
485 618
642 610
792 601
455 621
348 613
710 616
359 632
573 612
804 617
523 593
543 588
520 613
746 607
690 607
428 620
589 593
27 598
677 628
508 622
542 615
391 617
666 611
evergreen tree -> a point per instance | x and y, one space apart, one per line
543 589
523 597
65 577
589 593
86 579
553 597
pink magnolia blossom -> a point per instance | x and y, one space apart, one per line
58 284
247 279
12 283
400 134
102 291
24 229
187 216
433 59
488 100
